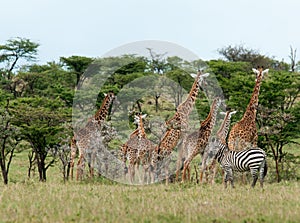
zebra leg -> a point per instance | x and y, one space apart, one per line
254 177
229 176
226 177
263 173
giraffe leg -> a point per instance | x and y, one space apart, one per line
178 168
80 167
91 166
189 173
180 161
139 172
72 158
153 168
167 175
187 163
214 168
131 171
72 170
186 166
203 166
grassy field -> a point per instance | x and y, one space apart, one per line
100 200
104 202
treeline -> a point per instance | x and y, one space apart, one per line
37 100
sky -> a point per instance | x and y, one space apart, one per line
93 28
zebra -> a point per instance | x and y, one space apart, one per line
251 159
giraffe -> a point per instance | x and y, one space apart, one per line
244 132
197 141
175 126
84 137
221 136
137 149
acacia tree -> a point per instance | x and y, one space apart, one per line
240 53
40 121
9 139
278 115
14 50
77 64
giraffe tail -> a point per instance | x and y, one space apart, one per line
182 163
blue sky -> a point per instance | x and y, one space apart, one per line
94 27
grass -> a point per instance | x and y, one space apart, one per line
102 202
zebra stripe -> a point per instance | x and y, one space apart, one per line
252 159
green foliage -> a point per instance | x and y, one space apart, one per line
42 96
40 121
240 53
77 65
14 50
48 81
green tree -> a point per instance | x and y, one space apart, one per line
240 53
41 123
14 50
9 139
49 80
278 115
77 64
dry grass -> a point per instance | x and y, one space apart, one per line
103 202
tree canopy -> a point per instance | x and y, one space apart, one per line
37 101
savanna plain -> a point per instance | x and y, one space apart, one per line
101 200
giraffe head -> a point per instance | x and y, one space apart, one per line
139 118
260 72
200 77
229 113
253 104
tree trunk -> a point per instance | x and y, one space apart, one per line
3 167
275 154
4 175
2 162
31 162
41 167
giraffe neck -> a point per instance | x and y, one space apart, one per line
101 114
252 106
223 131
186 106
209 122
141 130
184 109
